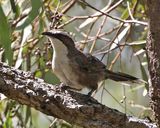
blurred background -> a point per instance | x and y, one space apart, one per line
112 30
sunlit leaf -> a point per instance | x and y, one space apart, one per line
120 37
144 63
25 33
138 44
38 74
19 58
145 92
139 52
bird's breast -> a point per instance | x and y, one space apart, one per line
63 70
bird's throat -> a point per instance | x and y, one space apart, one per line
59 48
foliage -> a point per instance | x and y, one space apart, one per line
113 31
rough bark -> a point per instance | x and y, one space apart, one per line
153 53
58 102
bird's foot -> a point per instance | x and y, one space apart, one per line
63 86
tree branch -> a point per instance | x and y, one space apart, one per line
55 101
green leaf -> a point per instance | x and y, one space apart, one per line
41 25
51 78
5 40
28 114
125 14
8 121
36 5
38 73
42 62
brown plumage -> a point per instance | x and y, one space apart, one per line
77 69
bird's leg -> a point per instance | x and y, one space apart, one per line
90 92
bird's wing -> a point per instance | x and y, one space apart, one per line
94 63
88 63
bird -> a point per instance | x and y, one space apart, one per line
78 70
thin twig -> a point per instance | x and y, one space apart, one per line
96 37
114 18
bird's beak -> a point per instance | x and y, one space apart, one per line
47 34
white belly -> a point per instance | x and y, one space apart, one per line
64 72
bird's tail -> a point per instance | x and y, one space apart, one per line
122 77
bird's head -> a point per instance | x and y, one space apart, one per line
59 39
